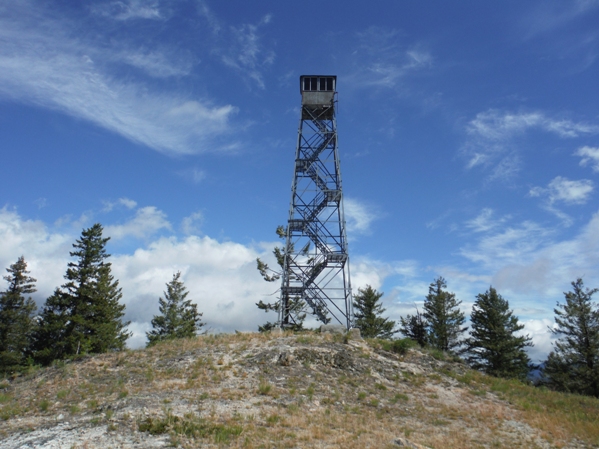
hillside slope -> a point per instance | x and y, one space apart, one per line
289 391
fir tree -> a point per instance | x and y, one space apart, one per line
573 365
84 315
414 327
297 305
179 317
368 312
444 320
493 346
16 316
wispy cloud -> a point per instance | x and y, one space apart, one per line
358 216
492 137
510 244
590 156
245 52
131 9
126 202
563 190
486 221
383 60
42 64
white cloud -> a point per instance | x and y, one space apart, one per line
147 221
40 64
492 133
245 52
525 261
590 156
485 221
509 245
563 190
358 216
497 125
126 202
131 9
45 252
538 330
382 60
221 276
191 224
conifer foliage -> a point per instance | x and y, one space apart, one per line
296 305
368 312
415 328
493 346
16 316
179 317
84 315
443 317
573 365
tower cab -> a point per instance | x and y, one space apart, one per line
318 96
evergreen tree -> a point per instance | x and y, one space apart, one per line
84 315
297 305
179 317
414 327
443 317
367 313
573 365
16 316
492 346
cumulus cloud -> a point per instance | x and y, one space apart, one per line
147 221
563 190
192 223
43 65
590 156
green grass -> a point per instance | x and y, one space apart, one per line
190 425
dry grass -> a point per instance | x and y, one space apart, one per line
229 391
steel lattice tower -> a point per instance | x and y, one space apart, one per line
316 261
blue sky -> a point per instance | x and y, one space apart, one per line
468 137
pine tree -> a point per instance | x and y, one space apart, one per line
179 316
16 316
297 305
414 327
573 365
493 346
444 320
367 313
84 315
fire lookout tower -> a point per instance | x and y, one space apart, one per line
316 261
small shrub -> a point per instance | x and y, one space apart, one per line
44 405
400 397
62 394
400 347
264 388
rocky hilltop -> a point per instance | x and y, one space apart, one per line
284 391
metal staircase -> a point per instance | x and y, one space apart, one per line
316 261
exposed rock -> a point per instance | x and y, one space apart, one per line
291 390
333 329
